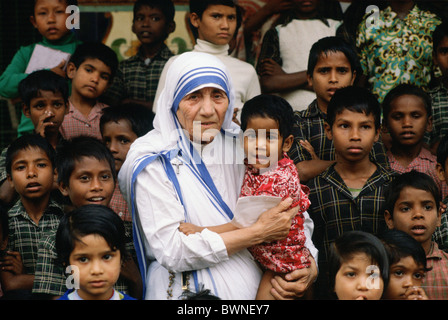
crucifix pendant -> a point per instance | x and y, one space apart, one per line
176 162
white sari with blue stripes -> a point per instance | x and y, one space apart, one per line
203 193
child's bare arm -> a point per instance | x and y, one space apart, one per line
308 169
189 228
12 276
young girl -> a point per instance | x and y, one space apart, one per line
358 267
91 240
407 269
267 123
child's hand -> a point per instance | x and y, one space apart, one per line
59 69
308 147
44 121
12 262
235 118
271 68
416 293
189 228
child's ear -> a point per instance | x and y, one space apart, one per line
389 219
309 79
33 21
171 27
195 19
63 188
287 143
354 74
328 131
26 110
440 172
71 70
429 124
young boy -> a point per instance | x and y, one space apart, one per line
86 175
282 64
439 94
332 64
45 102
137 77
407 266
49 18
412 206
214 23
91 69
348 195
30 168
120 125
407 117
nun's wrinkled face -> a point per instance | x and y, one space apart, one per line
201 113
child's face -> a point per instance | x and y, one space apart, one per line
32 173
332 71
49 18
150 25
440 56
118 137
217 24
353 135
98 265
305 7
415 212
263 144
355 280
48 109
404 275
91 79
91 182
408 121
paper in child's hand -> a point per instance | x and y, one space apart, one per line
45 58
248 209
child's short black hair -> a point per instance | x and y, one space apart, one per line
68 2
332 45
42 80
356 99
95 50
353 242
139 117
70 151
166 6
199 6
86 220
440 32
28 141
442 151
414 179
269 106
405 89
400 245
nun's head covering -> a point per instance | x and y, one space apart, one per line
189 72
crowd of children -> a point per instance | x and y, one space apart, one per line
356 124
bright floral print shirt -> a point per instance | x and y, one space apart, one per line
394 51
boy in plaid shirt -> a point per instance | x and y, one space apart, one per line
30 168
137 77
441 234
407 117
413 206
348 195
332 64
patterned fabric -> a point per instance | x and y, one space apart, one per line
335 211
435 282
283 181
425 162
25 234
394 51
119 205
3 173
439 102
440 235
137 80
309 125
76 124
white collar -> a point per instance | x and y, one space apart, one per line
210 48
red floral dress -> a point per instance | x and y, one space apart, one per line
290 254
